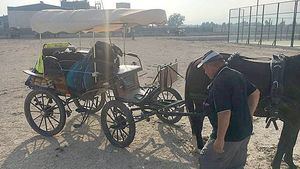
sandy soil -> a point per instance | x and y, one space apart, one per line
156 145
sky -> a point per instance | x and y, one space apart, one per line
195 11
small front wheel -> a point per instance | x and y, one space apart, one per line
117 123
44 112
164 98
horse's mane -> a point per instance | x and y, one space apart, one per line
293 65
291 76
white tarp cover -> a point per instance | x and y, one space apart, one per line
92 20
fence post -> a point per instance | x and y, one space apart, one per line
281 29
243 24
262 25
269 28
294 23
229 25
276 26
248 41
238 33
256 21
287 32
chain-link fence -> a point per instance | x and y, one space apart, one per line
267 24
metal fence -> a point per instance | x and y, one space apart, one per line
267 24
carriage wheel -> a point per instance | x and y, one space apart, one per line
166 97
94 105
117 123
44 112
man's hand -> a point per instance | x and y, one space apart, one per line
223 123
253 100
219 145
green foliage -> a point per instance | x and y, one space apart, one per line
176 19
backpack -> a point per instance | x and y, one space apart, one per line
75 75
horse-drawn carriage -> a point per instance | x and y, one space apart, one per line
96 79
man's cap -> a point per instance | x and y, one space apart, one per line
209 57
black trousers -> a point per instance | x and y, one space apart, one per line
196 121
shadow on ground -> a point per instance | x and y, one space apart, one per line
87 147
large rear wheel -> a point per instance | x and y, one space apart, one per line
164 98
44 112
117 123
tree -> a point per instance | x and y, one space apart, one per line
176 19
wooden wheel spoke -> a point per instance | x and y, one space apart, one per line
52 108
43 103
117 135
172 97
38 102
36 111
163 96
37 117
113 112
40 109
110 122
50 122
97 99
111 117
41 122
122 135
113 133
125 132
45 123
48 102
54 119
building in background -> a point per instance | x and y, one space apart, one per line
123 5
19 17
3 25
72 5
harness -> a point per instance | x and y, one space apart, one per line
277 67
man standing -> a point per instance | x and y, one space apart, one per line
232 101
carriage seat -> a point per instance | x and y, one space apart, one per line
129 89
127 69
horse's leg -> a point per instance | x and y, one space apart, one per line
288 156
189 103
199 122
281 148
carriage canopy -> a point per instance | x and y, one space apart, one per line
92 20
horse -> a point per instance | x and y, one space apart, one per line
259 72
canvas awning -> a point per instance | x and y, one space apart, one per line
92 20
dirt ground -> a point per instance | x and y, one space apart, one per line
156 145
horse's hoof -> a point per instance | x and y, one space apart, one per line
293 166
290 163
275 165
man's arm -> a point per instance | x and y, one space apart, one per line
223 123
253 99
